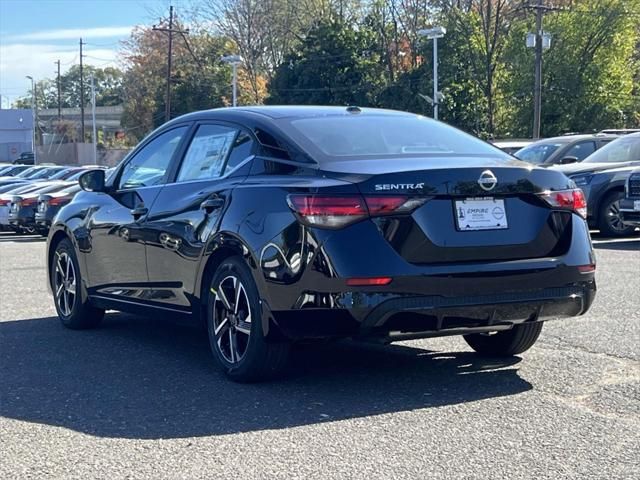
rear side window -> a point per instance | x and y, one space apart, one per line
214 151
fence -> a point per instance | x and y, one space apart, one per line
78 154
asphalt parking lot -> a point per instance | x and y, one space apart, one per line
140 398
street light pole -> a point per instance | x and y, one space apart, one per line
33 118
435 78
234 60
434 34
93 121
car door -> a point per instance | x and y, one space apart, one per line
581 150
116 259
187 210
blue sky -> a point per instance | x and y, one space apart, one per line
36 33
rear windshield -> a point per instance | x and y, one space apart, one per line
624 149
537 154
367 136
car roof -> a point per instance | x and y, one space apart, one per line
286 111
575 138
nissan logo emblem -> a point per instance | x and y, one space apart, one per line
487 180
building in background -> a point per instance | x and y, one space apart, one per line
16 133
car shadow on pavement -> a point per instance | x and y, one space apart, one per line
150 379
22 238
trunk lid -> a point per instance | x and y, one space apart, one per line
477 209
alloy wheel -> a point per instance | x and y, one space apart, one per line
614 217
231 319
65 283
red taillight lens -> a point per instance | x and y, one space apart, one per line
568 199
57 201
28 202
337 211
4 203
368 282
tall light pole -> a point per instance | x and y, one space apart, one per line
33 118
234 60
434 34
93 121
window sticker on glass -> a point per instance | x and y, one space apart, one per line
207 153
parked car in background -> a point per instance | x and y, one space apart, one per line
620 131
563 150
511 146
12 170
39 172
25 158
50 203
22 207
7 192
602 177
280 224
630 204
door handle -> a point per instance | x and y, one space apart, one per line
211 204
139 211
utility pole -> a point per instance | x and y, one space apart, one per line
59 93
93 122
81 96
537 89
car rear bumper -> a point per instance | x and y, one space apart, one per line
392 315
630 215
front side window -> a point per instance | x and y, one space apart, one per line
581 150
623 149
537 154
209 150
149 166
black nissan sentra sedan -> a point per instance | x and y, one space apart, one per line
278 224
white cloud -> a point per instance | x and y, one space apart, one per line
21 59
73 33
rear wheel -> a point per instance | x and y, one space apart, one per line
234 325
506 343
610 219
74 311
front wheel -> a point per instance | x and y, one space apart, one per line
74 311
234 325
505 343
610 218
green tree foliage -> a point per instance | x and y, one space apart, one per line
107 81
337 64
589 73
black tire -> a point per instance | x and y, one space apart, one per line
506 343
74 311
609 220
252 358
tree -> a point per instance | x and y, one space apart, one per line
588 73
337 64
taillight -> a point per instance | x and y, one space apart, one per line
27 202
57 201
4 203
368 281
573 200
335 211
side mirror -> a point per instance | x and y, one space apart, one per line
93 181
568 159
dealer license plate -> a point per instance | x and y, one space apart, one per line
484 213
636 205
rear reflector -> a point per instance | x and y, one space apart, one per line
573 200
368 282
337 211
587 268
